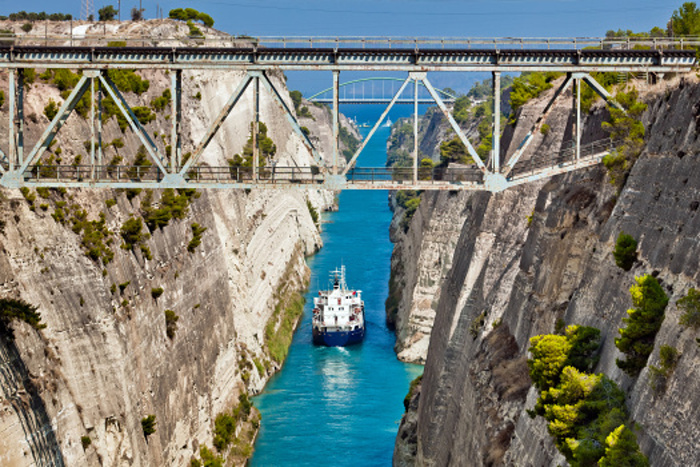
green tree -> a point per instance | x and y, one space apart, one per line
461 109
51 109
690 304
107 13
296 99
622 450
12 308
454 151
636 340
626 127
685 21
530 85
625 252
131 232
552 352
148 424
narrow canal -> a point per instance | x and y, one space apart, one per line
342 406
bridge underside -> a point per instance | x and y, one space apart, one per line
169 169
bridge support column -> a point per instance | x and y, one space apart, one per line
93 123
100 161
496 153
175 144
415 129
577 124
20 116
12 150
336 120
256 126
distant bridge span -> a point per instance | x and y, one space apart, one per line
376 94
253 57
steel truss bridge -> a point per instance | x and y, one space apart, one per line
375 91
256 58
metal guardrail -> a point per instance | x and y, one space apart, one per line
121 173
352 42
542 162
470 174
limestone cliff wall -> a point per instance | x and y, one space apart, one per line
475 389
104 361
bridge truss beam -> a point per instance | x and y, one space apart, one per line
171 171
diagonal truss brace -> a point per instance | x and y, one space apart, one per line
600 90
58 121
267 84
537 126
123 106
352 161
570 78
214 128
454 125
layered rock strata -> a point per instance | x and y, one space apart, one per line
512 279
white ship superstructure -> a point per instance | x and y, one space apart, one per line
339 314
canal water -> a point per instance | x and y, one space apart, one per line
342 406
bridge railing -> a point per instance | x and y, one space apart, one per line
351 42
266 175
206 174
405 174
544 161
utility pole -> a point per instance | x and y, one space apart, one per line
119 10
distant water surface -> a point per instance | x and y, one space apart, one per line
342 406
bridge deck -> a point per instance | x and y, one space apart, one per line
359 178
661 60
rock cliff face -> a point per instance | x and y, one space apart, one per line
510 281
104 360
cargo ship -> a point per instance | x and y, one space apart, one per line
339 314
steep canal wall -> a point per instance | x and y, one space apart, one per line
527 261
164 304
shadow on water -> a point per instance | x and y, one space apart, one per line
341 406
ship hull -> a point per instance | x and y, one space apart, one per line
338 338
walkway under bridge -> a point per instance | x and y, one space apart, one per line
169 169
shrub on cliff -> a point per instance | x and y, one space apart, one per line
197 232
658 375
131 233
171 323
690 304
636 340
312 212
530 85
622 450
148 424
12 308
189 14
296 99
551 353
625 252
626 128
582 409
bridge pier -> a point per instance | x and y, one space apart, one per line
496 139
336 121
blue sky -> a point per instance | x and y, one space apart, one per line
403 17
446 18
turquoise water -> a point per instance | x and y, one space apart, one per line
342 406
